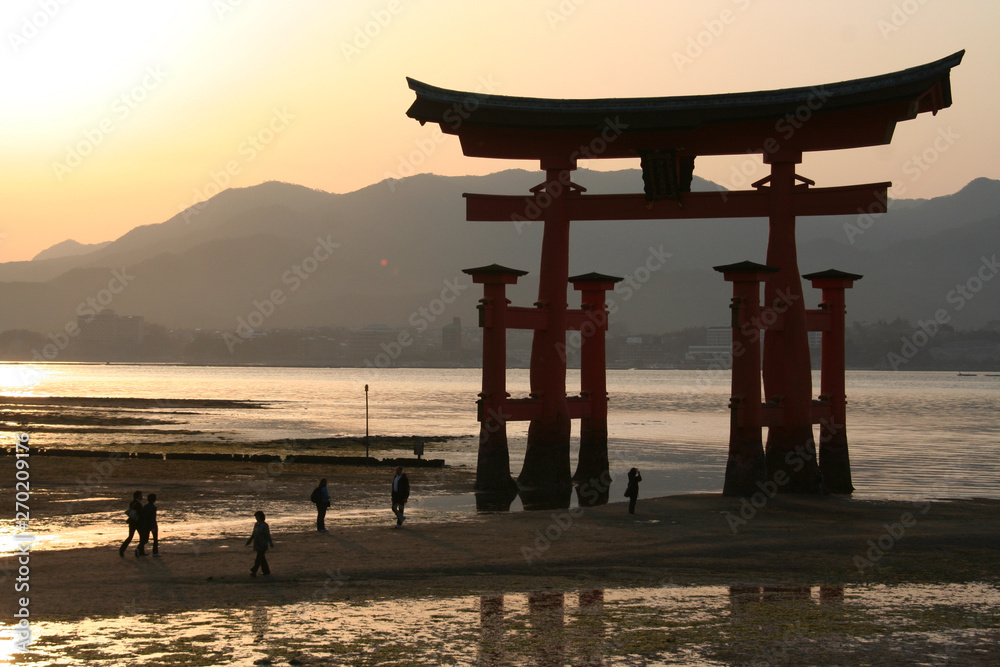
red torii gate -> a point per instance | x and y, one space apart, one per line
668 133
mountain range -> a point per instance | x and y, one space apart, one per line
392 254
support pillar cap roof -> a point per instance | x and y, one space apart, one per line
745 266
494 269
494 274
594 277
832 273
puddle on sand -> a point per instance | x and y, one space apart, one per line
739 625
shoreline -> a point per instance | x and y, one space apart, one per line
361 366
245 458
676 540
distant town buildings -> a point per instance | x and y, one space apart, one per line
644 351
367 343
717 352
107 328
451 337
960 353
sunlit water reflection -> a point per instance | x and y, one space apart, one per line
934 434
663 625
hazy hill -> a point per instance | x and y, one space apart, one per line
68 248
401 246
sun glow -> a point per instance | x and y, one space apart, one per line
63 60
19 379
8 648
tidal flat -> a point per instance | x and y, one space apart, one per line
802 580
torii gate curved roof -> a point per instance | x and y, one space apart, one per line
847 114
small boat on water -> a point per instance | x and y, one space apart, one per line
967 375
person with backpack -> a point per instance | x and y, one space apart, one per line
321 497
133 513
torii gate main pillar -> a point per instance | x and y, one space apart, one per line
546 458
786 368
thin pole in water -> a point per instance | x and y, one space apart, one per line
366 423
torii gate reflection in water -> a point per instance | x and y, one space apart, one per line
668 133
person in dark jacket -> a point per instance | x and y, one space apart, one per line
400 494
261 539
632 491
321 496
147 525
133 512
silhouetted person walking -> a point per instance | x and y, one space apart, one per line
321 496
261 539
147 525
134 512
632 490
400 494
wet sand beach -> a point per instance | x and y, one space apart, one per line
680 540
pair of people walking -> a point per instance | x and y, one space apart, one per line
142 520
399 495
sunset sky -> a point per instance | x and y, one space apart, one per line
117 113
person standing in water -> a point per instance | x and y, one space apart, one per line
632 491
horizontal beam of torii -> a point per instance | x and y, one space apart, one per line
806 201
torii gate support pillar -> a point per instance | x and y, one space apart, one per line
834 461
593 468
745 468
493 466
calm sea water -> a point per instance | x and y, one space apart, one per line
911 434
